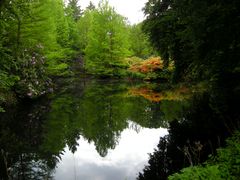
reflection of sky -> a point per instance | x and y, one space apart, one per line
122 163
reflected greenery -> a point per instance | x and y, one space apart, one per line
203 127
33 135
100 114
20 139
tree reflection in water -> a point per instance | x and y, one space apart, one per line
205 124
34 135
20 138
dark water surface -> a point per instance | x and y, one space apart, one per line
104 129
87 129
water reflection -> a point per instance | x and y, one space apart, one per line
85 113
100 114
209 119
20 141
123 162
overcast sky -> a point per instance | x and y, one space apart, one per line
132 9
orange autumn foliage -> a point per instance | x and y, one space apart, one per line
146 93
150 65
153 96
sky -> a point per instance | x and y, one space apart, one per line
132 9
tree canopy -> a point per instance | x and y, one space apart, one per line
40 39
201 37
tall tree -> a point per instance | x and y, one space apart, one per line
62 27
91 6
33 35
75 8
139 42
107 41
73 14
83 26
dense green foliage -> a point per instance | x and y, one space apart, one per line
225 165
35 43
201 37
107 41
139 42
39 39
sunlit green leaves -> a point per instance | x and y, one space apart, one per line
107 41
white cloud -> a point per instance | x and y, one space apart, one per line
132 9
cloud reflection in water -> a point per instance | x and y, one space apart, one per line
124 162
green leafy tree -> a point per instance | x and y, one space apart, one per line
26 25
107 41
34 41
91 6
139 43
83 26
76 11
62 27
73 14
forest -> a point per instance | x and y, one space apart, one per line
180 43
40 39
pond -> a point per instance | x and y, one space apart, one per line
88 129
122 162
104 129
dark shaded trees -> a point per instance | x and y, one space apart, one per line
200 37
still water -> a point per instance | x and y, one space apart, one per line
88 129
122 162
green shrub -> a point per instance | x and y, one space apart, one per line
57 69
198 172
7 81
33 80
225 165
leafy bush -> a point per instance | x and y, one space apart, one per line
7 81
61 54
226 165
198 172
32 72
137 75
58 69
132 60
150 65
151 68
